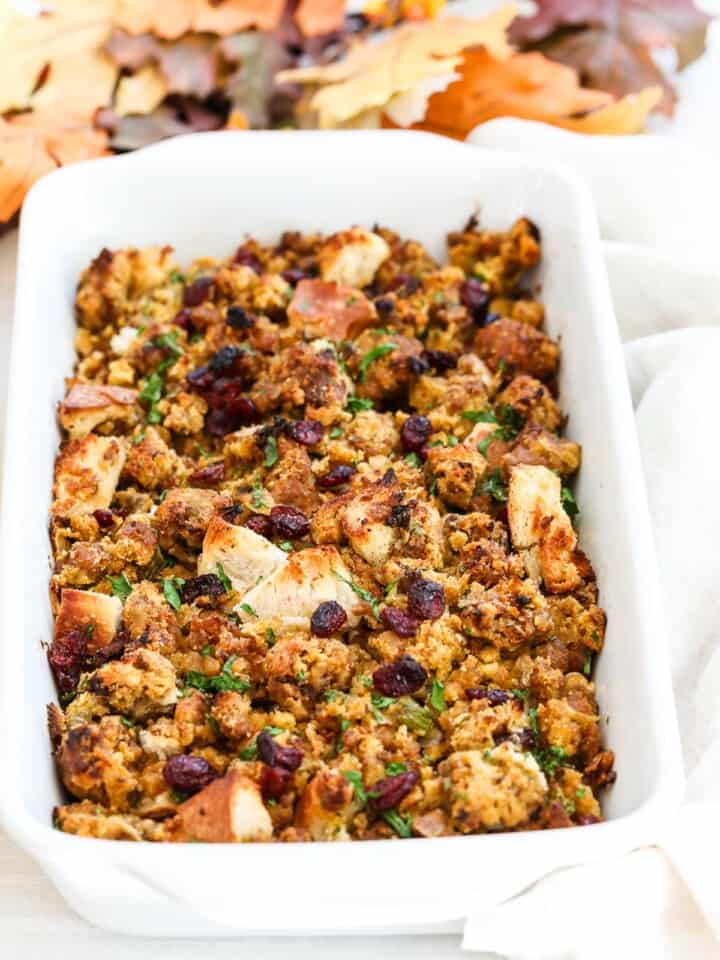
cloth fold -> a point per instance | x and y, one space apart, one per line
657 205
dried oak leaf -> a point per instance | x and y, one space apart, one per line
172 18
611 42
33 144
141 92
53 62
177 115
318 17
192 65
531 87
373 75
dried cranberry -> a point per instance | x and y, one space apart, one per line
247 259
229 412
289 523
260 524
197 292
400 621
111 651
271 753
238 318
327 619
476 297
399 516
415 433
441 359
399 677
188 773
387 793
426 598
201 378
232 514
494 697
226 393
206 585
336 476
210 475
274 782
224 359
67 659
218 423
307 432
293 275
405 284
105 518
183 319
384 306
418 365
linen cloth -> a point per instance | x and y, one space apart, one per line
658 204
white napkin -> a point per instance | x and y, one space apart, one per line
659 207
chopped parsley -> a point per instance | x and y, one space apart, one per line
569 502
479 416
381 702
207 650
270 636
580 792
486 441
224 681
138 439
257 496
548 758
248 609
171 589
437 696
391 588
249 752
379 351
355 778
493 485
223 577
351 300
356 404
286 546
177 276
587 666
414 459
393 768
178 796
362 593
335 433
332 695
344 724
120 587
271 451
401 825
274 731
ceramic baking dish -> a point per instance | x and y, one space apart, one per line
202 194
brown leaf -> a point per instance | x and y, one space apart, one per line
375 73
141 93
173 18
317 17
611 42
250 87
33 144
176 116
192 65
623 117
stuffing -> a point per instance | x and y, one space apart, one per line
352 257
87 406
87 471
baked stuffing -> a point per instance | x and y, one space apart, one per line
316 575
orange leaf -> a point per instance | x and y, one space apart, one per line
316 17
527 85
172 18
33 144
628 115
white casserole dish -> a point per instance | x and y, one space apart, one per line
202 194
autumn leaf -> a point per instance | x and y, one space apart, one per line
374 74
33 144
317 17
170 19
531 87
141 92
176 116
611 42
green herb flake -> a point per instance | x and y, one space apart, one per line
351 300
587 666
300 676
362 593
249 753
414 459
332 695
248 609
272 802
222 682
391 588
171 589
271 451
286 546
344 724
270 636
485 442
401 825
437 696
163 494
569 502
581 792
355 778
372 355
257 496
127 722
356 404
120 587
223 577
138 438
176 276
178 796
207 650
213 724
479 416
88 630
493 485
381 702
274 731
393 768
335 433
152 390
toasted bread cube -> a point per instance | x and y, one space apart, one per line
365 519
96 614
326 806
229 810
541 529
245 556
86 474
89 404
308 578
352 257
